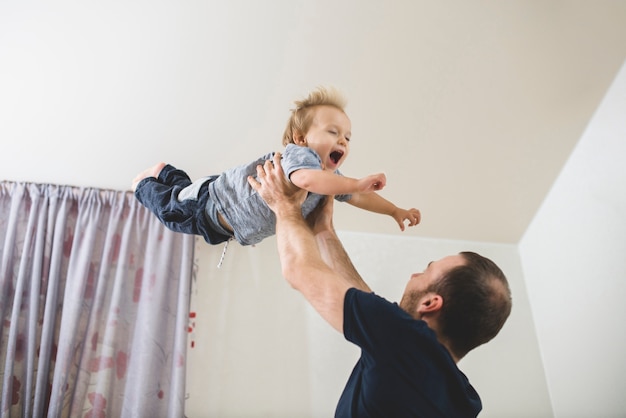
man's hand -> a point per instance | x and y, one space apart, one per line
279 194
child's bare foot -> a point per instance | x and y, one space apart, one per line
148 172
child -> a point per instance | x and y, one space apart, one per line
317 142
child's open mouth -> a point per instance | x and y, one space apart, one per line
335 156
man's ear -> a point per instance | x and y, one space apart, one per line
430 303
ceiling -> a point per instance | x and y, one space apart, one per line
470 108
479 108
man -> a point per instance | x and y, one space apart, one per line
408 351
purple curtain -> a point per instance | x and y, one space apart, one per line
94 305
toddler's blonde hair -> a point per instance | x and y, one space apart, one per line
302 116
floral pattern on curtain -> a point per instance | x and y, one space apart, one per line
94 305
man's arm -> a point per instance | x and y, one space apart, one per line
330 247
300 255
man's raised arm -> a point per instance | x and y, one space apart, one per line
300 256
331 248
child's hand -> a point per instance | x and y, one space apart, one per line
413 216
372 183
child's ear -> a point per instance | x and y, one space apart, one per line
298 138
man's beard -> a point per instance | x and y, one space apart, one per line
410 301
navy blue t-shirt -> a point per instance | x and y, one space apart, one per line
403 370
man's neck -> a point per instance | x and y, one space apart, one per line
442 341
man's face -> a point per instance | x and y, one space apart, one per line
419 283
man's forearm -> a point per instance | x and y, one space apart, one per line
305 270
335 256
296 246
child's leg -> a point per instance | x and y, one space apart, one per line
172 176
148 172
159 189
160 195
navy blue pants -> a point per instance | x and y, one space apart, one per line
188 216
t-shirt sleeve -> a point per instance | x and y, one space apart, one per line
297 158
372 322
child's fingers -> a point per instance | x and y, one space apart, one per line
414 216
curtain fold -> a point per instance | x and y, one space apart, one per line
94 305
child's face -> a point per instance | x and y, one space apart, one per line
329 135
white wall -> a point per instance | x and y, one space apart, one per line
573 256
261 351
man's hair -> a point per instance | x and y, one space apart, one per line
476 303
302 115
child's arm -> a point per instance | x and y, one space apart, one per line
374 202
328 183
